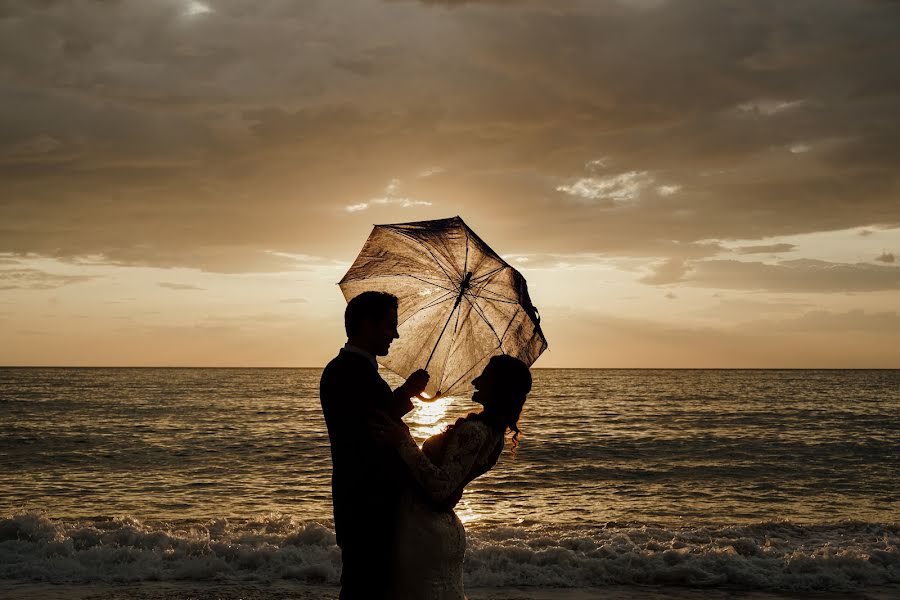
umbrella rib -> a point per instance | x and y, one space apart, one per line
470 369
421 243
500 346
423 280
484 318
443 298
490 273
432 330
431 283
432 304
440 266
438 341
466 260
450 351
490 299
498 297
508 325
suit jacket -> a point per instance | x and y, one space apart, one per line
367 478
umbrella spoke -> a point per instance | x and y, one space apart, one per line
428 249
436 284
442 298
499 297
438 342
490 273
466 260
450 350
472 368
484 318
492 299
508 325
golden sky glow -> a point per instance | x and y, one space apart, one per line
682 183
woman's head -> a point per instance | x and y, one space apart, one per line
502 388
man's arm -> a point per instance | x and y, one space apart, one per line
412 387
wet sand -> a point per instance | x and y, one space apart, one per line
287 590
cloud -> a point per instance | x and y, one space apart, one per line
886 257
431 171
179 286
801 275
196 8
204 141
631 261
765 249
618 189
294 301
670 271
769 107
391 197
667 190
382 201
35 279
828 321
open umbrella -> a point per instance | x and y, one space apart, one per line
459 302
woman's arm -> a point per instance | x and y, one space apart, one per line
441 481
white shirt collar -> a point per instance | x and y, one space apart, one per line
357 350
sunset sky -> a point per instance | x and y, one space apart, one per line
682 183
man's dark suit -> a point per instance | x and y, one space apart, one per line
367 479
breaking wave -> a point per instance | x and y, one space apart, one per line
775 556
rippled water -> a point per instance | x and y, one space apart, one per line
658 455
598 445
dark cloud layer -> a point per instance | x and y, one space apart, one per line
765 249
137 131
788 276
35 279
179 286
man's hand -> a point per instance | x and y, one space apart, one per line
416 383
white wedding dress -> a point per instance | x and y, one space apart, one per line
431 541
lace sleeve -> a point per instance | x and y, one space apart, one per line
441 481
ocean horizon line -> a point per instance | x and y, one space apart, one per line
284 368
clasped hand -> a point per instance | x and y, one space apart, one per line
415 384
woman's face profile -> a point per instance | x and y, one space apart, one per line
486 386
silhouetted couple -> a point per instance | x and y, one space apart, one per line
393 503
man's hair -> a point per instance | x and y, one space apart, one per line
368 306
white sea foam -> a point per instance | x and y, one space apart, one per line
768 556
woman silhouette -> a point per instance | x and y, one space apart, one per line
431 540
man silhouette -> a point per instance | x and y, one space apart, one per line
367 477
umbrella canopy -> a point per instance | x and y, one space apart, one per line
459 302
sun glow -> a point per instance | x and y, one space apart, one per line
427 418
466 513
196 8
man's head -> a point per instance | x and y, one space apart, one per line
371 321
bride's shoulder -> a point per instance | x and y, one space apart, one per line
475 429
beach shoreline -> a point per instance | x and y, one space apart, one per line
292 590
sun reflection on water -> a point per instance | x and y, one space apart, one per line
430 417
427 418
466 513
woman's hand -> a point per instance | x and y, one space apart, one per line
387 431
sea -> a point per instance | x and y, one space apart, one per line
769 480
